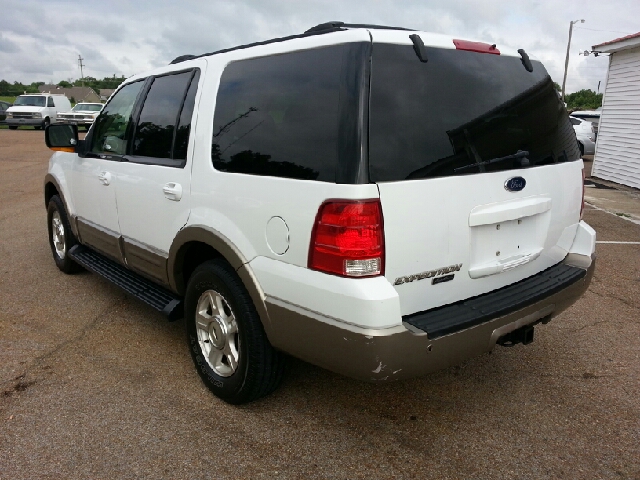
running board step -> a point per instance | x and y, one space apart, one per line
153 295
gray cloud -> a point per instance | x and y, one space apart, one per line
7 45
42 39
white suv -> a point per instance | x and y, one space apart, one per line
379 202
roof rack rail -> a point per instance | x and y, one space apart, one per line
182 58
265 42
321 29
335 24
325 26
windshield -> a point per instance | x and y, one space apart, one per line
30 101
87 107
462 113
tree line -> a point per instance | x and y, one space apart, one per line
581 100
16 88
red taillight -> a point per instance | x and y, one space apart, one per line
348 238
582 202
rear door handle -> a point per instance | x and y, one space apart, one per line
173 191
105 178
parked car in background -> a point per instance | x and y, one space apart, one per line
83 114
37 110
585 134
592 116
3 110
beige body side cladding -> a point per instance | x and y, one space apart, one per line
145 260
398 353
102 239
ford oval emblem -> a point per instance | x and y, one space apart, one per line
515 184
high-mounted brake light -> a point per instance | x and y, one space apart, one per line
348 238
479 47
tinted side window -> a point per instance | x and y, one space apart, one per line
574 121
50 102
184 125
110 128
159 116
279 115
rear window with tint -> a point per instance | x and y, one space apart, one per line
462 113
279 115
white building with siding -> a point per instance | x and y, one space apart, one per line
617 156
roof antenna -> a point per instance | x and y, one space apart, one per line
418 47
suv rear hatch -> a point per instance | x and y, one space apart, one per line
477 167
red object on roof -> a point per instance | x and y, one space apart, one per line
628 37
479 47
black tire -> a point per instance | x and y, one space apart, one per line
13 127
45 123
259 367
581 147
61 237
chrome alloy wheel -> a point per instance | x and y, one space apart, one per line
57 235
217 333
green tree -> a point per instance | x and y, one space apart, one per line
583 100
64 84
5 88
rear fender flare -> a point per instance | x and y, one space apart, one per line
226 248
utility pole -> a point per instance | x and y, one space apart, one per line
80 59
566 62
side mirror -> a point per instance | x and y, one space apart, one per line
61 137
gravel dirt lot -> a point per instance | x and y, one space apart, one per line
94 384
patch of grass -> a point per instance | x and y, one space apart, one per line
8 99
20 127
626 215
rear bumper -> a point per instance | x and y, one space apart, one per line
404 351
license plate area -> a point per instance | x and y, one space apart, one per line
502 246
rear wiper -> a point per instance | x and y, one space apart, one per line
519 155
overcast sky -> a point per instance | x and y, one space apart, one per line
40 40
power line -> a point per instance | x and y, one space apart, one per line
612 31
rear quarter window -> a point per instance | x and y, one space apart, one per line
280 115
